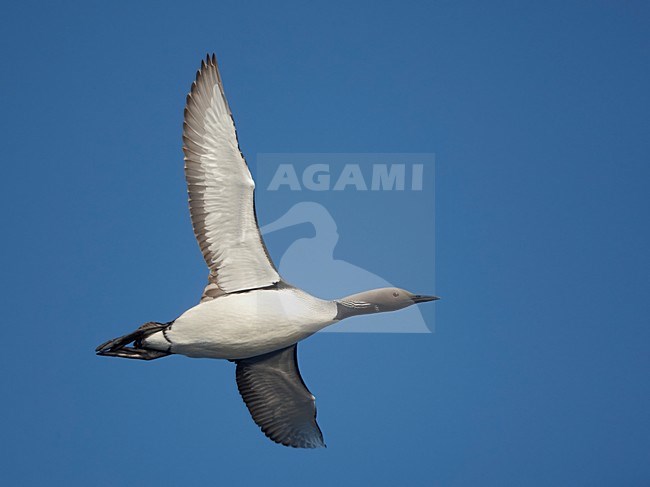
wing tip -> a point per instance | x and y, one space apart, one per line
209 68
307 444
211 59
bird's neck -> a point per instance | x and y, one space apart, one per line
355 304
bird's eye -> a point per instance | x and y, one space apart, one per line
395 294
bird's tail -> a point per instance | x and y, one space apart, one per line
119 347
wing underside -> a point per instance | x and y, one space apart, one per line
278 399
221 191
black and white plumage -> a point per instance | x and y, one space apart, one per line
247 314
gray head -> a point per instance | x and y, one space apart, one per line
378 301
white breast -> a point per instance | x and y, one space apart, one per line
248 324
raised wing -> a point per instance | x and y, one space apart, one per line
278 399
221 190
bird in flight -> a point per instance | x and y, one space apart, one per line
247 313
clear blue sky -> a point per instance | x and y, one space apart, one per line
538 115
